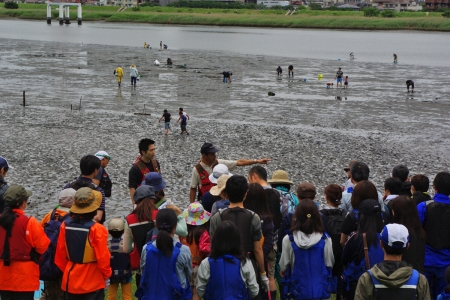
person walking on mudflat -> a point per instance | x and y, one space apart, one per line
339 75
160 45
167 117
134 74
395 58
119 73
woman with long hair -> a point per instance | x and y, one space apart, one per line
166 265
227 273
141 221
20 238
404 211
333 217
256 201
307 255
362 191
370 224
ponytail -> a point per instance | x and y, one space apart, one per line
166 220
164 242
8 217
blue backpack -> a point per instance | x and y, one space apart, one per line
309 278
443 296
47 268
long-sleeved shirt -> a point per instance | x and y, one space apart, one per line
88 277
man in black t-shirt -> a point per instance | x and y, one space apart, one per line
167 117
144 164
339 75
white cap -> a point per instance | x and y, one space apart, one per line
218 171
102 154
395 236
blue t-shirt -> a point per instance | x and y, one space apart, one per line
183 120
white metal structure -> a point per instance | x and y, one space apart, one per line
64 13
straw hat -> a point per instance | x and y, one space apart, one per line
280 176
221 183
133 66
195 214
86 200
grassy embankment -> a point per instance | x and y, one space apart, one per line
244 17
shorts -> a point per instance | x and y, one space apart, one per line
346 83
338 80
194 278
271 260
183 127
167 125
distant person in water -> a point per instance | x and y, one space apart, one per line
346 82
410 83
291 70
352 56
395 58
279 71
339 75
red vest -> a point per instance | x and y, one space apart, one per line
143 167
139 231
19 248
205 183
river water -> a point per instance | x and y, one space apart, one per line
412 47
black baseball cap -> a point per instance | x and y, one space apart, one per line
208 148
369 207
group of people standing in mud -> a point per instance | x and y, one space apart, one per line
240 237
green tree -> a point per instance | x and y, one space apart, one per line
371 12
387 13
11 5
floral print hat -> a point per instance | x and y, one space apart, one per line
195 214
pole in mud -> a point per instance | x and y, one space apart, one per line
80 101
24 101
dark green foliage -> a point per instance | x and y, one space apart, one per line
387 13
446 14
136 8
315 6
301 7
11 5
371 12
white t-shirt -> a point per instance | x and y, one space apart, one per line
195 179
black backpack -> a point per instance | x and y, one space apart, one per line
334 218
47 268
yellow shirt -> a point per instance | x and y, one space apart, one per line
119 72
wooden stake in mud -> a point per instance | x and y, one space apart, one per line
144 114
24 99
80 101
70 106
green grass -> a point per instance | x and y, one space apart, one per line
244 17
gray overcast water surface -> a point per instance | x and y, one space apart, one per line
412 47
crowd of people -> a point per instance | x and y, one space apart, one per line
239 238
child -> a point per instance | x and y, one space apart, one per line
279 71
120 261
183 122
197 239
167 117
445 295
346 82
218 275
166 265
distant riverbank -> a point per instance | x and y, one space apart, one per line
244 17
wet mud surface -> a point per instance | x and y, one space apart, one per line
308 130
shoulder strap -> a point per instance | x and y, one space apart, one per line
200 169
52 216
366 253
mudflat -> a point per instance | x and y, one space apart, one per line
308 130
